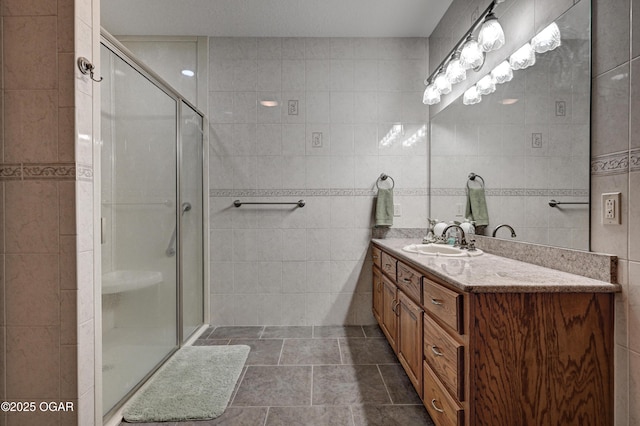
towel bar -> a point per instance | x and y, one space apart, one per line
238 203
554 203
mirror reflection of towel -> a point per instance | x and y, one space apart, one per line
477 207
384 208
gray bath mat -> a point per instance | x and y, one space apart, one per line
196 384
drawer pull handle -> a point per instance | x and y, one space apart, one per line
394 304
436 301
433 404
435 350
375 256
406 280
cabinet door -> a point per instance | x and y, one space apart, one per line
377 294
409 339
389 318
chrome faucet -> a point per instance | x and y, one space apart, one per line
463 241
430 237
513 233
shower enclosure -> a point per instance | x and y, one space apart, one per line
151 222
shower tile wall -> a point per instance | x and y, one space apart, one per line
46 242
335 99
614 158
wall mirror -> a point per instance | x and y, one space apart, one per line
529 140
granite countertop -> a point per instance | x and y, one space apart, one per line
494 274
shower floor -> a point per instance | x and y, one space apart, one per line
315 376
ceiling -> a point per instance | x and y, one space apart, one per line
273 18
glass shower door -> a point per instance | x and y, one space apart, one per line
139 226
191 239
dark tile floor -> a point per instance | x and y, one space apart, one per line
315 376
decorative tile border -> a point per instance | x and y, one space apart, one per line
10 172
45 171
312 192
84 172
49 171
513 192
402 192
610 164
634 160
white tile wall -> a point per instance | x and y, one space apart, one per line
278 265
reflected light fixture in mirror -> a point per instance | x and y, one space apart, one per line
471 96
522 58
502 73
486 85
547 39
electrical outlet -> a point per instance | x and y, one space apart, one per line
459 211
292 107
561 108
316 139
611 208
397 210
536 140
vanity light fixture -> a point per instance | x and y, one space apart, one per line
491 35
471 96
442 83
522 58
486 85
471 56
547 39
456 73
188 73
468 53
269 103
431 95
502 73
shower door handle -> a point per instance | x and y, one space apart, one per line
171 251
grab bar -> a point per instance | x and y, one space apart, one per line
238 203
554 203
171 251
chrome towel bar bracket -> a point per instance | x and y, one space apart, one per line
299 203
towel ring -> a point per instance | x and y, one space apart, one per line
384 177
473 177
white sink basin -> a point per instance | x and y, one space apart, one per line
121 281
440 250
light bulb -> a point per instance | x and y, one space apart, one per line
547 39
455 72
502 73
522 58
486 85
491 35
431 95
471 56
442 84
471 96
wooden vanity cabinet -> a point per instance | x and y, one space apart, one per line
377 294
389 323
409 339
496 359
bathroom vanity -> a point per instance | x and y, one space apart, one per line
488 340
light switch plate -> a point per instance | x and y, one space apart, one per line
397 210
611 208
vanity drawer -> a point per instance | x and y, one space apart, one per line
376 253
444 304
442 408
409 280
388 265
445 356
